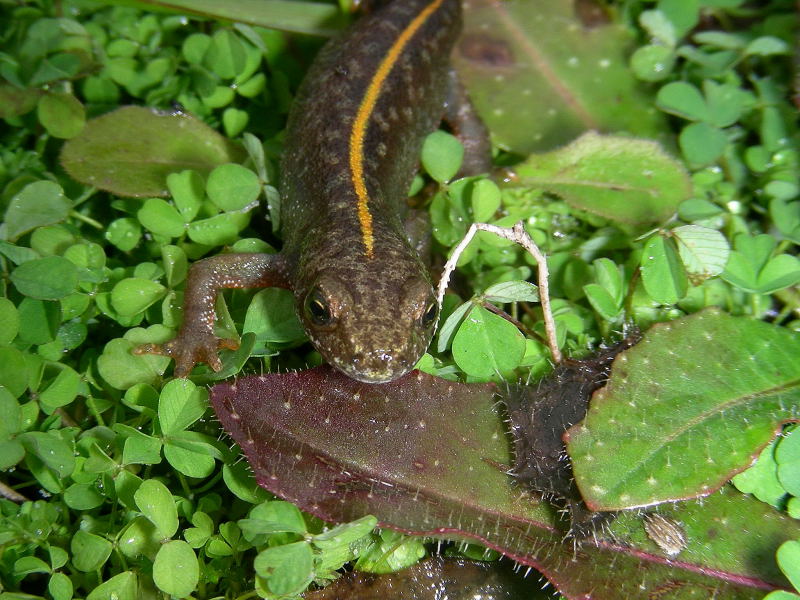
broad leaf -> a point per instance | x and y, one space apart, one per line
428 456
306 17
623 179
686 409
132 150
539 76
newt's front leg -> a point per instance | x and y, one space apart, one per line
196 341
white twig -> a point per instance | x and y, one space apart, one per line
518 235
11 494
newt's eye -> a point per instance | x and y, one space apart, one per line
429 316
317 309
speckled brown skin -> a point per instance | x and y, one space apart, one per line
364 296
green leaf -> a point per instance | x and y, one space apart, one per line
702 144
58 557
540 76
218 230
602 301
623 179
83 496
140 448
232 187
89 551
189 453
194 47
39 320
780 272
30 564
781 595
226 54
393 551
274 516
441 157
51 449
38 204
726 102
252 87
11 422
653 62
767 45
176 265
188 192
62 115
683 14
120 587
272 318
61 391
683 99
60 587
451 324
132 150
675 404
788 556
486 345
512 291
139 537
234 120
787 458
122 369
9 321
161 218
242 484
288 569
48 278
133 295
15 102
751 267
181 404
13 371
124 233
175 569
157 504
663 275
659 26
485 200
345 534
704 251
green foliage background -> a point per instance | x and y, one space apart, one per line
115 478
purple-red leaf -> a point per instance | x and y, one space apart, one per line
429 456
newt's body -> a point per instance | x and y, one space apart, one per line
353 138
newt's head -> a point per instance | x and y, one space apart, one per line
372 329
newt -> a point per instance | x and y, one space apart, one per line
354 133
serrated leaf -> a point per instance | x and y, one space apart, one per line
659 430
623 179
132 150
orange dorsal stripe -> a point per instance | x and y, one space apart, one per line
365 109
